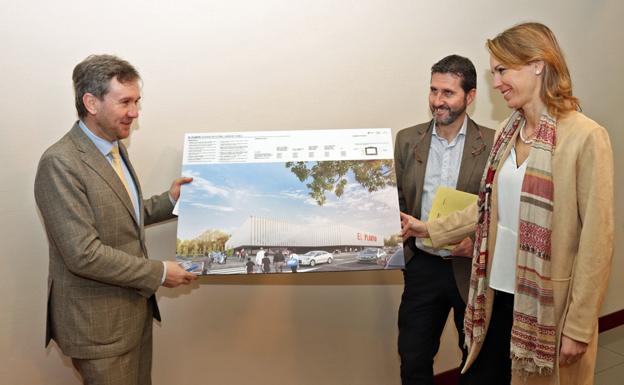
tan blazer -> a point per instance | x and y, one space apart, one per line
410 159
582 240
100 283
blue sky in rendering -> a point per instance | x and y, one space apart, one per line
223 196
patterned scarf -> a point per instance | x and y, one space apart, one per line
533 334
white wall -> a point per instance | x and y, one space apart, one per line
258 65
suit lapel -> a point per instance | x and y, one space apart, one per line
473 147
94 159
422 142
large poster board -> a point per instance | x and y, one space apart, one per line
289 201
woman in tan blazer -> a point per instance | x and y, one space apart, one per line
544 225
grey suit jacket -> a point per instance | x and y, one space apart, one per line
410 156
101 283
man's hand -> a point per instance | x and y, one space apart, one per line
412 227
177 276
174 191
463 248
571 351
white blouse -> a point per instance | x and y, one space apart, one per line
510 177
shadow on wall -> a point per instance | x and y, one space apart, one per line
500 111
54 350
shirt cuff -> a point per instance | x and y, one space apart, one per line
173 201
162 280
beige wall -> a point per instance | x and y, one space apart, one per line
258 65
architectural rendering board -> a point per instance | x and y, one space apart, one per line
289 201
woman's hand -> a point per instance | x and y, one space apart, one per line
463 248
571 351
412 227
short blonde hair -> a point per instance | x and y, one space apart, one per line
531 42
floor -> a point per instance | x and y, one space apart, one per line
610 360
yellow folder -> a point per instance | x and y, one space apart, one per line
446 201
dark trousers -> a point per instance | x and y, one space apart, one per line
493 364
430 293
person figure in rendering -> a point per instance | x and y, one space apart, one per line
259 257
250 266
450 150
207 265
266 264
101 284
278 261
293 262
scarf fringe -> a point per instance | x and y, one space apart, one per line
526 367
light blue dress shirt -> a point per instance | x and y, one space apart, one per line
443 165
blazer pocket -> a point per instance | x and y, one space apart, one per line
107 316
561 287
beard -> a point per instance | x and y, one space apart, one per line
452 115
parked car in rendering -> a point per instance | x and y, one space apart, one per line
315 256
370 255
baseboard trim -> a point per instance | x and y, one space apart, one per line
610 321
450 377
606 322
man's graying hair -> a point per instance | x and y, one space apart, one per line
93 75
459 66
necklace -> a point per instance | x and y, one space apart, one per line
522 138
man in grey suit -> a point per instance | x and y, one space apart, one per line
450 150
101 284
